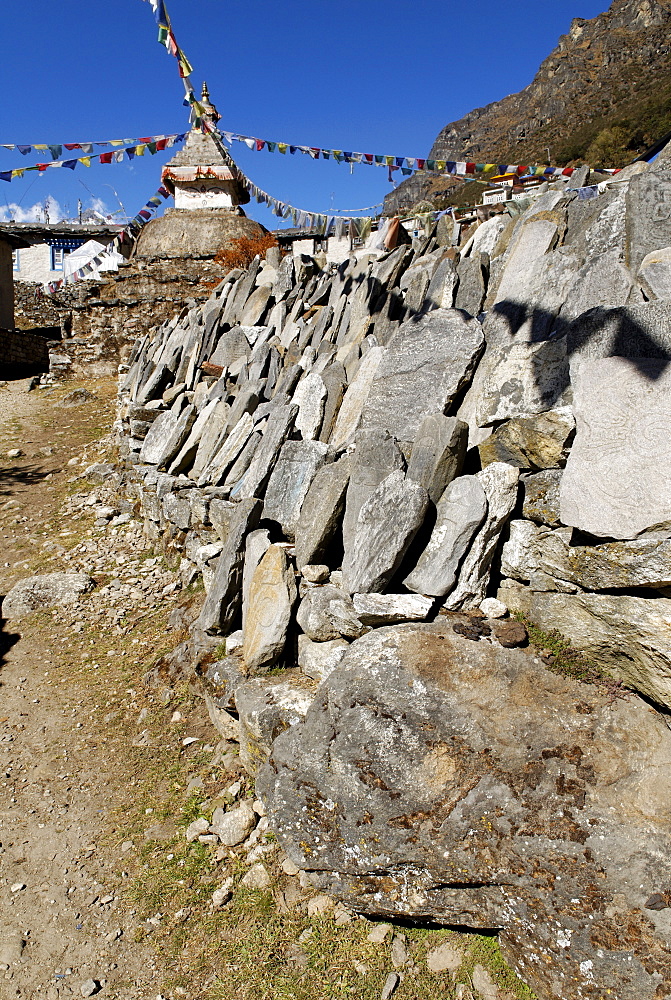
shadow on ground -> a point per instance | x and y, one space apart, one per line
12 477
7 640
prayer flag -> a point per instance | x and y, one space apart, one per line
5 175
24 149
185 67
70 164
55 151
86 160
105 157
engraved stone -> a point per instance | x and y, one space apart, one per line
309 397
617 481
271 597
648 212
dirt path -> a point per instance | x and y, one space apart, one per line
61 925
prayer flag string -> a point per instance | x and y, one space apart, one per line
155 145
56 149
406 164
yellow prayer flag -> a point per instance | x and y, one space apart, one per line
86 160
139 150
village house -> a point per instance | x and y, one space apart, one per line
45 248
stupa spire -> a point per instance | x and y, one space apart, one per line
210 113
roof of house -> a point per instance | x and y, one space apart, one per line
30 233
15 242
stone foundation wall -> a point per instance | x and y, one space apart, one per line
100 320
18 348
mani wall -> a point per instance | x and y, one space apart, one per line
368 468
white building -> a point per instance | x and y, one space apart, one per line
43 259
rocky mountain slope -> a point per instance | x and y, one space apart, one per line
603 95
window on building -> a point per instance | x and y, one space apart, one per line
16 260
60 249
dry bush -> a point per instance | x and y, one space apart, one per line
241 252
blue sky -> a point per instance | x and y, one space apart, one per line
379 76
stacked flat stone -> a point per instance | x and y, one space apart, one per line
333 407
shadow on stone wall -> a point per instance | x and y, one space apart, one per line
597 333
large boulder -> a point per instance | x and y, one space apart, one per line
437 778
36 593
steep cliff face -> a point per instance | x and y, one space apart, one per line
603 94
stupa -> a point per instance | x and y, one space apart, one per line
208 192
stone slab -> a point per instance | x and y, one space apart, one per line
376 455
428 360
617 481
648 223
389 609
222 604
387 523
274 434
532 550
460 512
322 511
166 436
438 453
272 592
354 400
296 466
500 483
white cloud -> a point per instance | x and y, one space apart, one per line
13 212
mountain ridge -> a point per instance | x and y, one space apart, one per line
603 95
